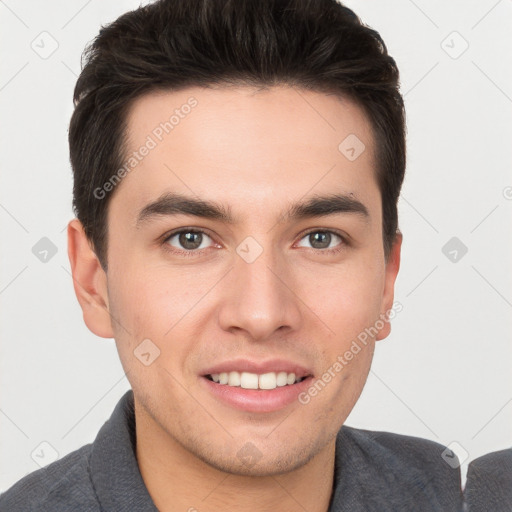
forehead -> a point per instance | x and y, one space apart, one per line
248 148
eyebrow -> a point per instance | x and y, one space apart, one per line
170 204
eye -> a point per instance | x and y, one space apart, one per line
188 240
321 240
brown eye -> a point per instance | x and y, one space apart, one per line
188 240
322 240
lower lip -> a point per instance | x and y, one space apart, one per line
256 400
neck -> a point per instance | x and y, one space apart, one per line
177 480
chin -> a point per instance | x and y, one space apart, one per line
262 458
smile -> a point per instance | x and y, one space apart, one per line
247 380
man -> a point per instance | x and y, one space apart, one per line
237 167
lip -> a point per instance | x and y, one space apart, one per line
256 400
259 367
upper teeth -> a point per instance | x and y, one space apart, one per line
248 380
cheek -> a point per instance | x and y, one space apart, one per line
157 303
143 296
348 300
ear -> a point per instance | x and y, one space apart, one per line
392 267
89 281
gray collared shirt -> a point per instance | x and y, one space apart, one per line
374 471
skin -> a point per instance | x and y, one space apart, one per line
256 152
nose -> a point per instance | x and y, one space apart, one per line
259 298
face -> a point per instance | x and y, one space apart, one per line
247 289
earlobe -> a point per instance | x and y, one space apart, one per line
392 268
89 281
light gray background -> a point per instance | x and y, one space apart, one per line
443 374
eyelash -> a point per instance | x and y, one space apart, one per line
194 253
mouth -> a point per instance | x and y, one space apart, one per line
250 387
248 380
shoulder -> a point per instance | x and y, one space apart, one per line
499 464
61 486
489 482
402 449
407 471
